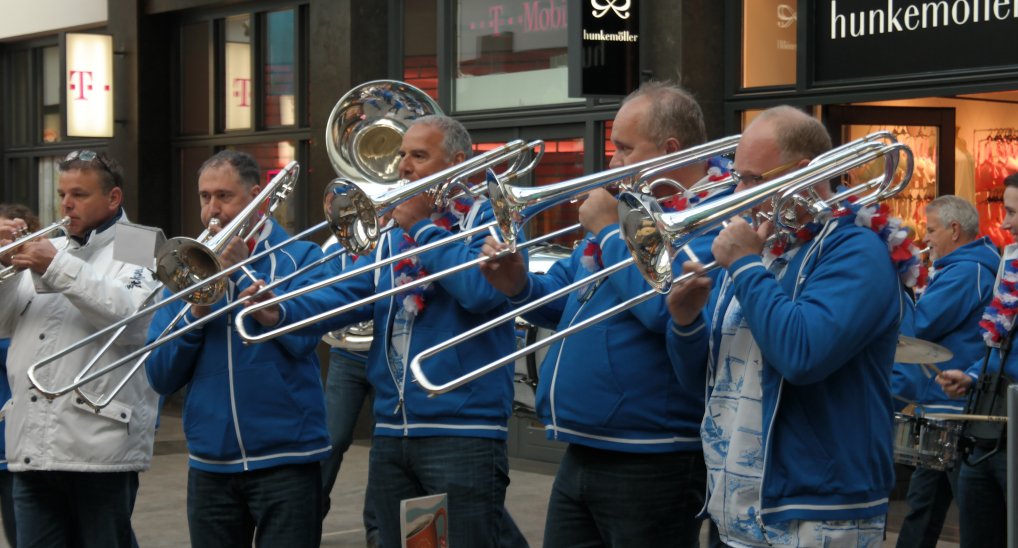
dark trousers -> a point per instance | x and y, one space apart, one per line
982 501
930 493
346 388
81 509
279 506
609 498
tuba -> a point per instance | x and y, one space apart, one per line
362 138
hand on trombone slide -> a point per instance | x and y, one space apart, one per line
504 271
268 316
689 293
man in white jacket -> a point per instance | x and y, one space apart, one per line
75 470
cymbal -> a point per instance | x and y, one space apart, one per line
913 350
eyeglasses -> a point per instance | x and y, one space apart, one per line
88 156
757 179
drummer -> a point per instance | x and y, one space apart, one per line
982 502
947 314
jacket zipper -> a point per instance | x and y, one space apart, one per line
554 375
233 399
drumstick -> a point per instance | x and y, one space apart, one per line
932 368
964 417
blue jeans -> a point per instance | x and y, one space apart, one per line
930 493
982 504
609 498
278 506
7 506
85 509
474 472
346 388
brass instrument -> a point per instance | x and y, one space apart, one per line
22 238
669 231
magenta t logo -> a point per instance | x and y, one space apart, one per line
80 81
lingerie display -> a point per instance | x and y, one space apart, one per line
996 157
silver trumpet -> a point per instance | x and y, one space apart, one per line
22 238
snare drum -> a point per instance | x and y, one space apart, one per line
937 447
906 439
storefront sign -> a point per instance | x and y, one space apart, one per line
604 48
898 39
89 91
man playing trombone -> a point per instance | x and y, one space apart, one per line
633 473
254 416
799 335
75 469
454 444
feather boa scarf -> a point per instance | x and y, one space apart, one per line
998 318
901 247
410 269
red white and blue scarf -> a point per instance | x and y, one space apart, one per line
896 236
451 219
998 318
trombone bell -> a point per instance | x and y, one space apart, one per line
352 216
183 262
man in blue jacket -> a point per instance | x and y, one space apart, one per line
454 443
794 349
254 416
947 313
633 473
982 495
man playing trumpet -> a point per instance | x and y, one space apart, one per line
75 470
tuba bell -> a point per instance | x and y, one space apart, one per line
362 138
366 127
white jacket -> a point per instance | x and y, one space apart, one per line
82 291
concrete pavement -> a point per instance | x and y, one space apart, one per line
160 518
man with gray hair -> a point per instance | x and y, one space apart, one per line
947 313
455 443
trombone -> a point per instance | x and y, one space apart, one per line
514 206
198 292
181 261
357 206
684 226
23 238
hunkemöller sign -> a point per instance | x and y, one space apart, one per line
900 39
604 37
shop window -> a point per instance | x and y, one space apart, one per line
18 84
191 159
49 209
768 43
420 39
237 83
195 85
18 185
272 157
563 160
280 69
609 146
510 54
51 95
257 64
